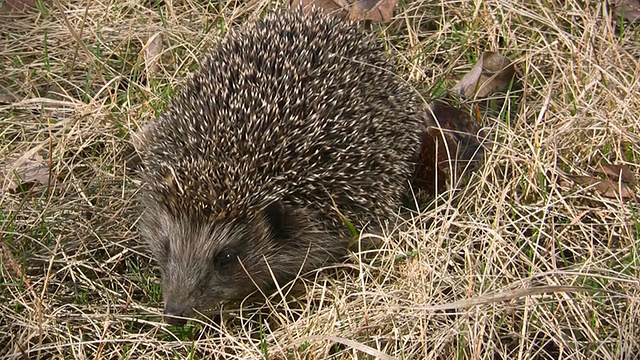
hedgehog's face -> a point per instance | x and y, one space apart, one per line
203 264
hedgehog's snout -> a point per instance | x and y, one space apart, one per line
174 314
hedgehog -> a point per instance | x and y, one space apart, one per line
294 128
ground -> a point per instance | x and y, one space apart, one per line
534 256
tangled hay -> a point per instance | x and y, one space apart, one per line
535 256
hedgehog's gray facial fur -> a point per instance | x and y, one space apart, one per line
204 263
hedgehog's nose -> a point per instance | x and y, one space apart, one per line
171 311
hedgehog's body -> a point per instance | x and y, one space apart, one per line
289 124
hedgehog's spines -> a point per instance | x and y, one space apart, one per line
247 83
300 111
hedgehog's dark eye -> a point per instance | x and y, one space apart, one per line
225 259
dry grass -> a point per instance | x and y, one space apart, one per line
512 265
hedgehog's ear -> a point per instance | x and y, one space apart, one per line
275 214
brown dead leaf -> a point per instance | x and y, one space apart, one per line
491 74
152 51
617 172
373 10
461 128
27 170
606 188
628 10
16 6
452 142
327 6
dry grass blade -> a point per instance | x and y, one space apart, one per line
450 283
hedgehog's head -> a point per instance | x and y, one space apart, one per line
204 263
